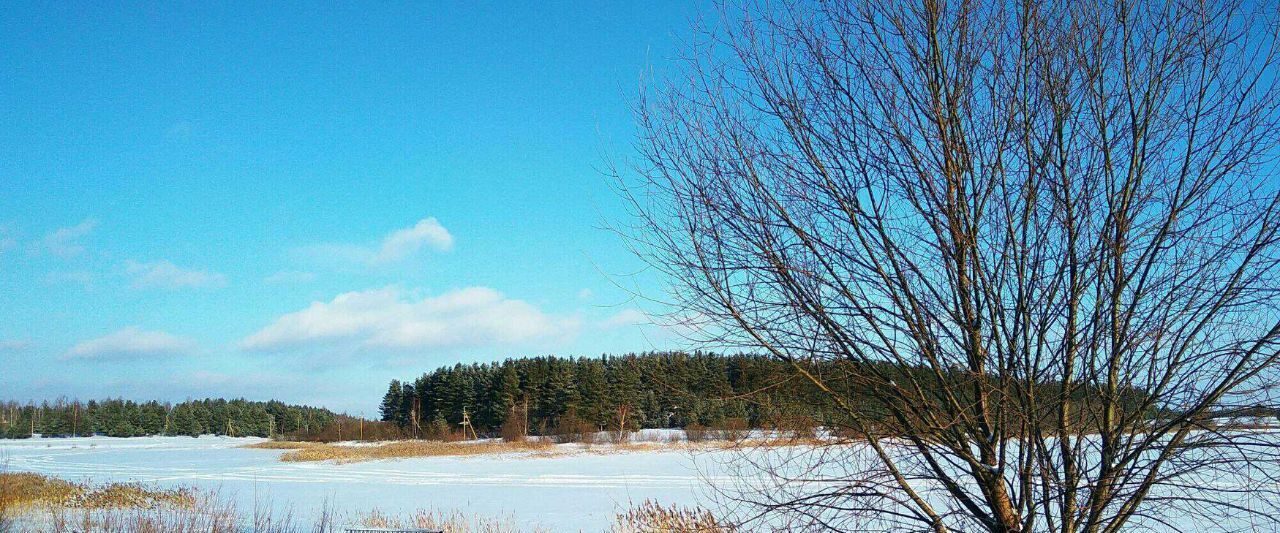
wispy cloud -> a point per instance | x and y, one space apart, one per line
390 319
8 238
66 242
16 345
165 275
289 277
626 317
84 278
396 246
131 342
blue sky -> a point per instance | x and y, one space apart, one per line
304 202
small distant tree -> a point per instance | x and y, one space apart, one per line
1057 221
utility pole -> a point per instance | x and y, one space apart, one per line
466 424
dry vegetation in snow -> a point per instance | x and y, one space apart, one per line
31 502
25 490
314 451
533 448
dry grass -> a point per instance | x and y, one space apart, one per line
707 445
19 491
652 517
408 448
205 513
37 503
279 445
298 451
63 506
452 521
306 451
31 502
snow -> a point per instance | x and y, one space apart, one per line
564 493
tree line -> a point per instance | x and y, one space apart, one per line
127 418
554 395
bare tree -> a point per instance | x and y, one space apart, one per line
1039 238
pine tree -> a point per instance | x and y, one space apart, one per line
392 402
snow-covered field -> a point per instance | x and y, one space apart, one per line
569 491
565 493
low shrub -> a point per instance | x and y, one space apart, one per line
571 428
695 432
513 430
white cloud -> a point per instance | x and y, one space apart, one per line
586 294
388 318
65 242
16 345
626 317
131 342
405 242
397 246
286 277
165 275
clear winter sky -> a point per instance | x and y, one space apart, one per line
306 201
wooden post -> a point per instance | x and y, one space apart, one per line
466 424
413 413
